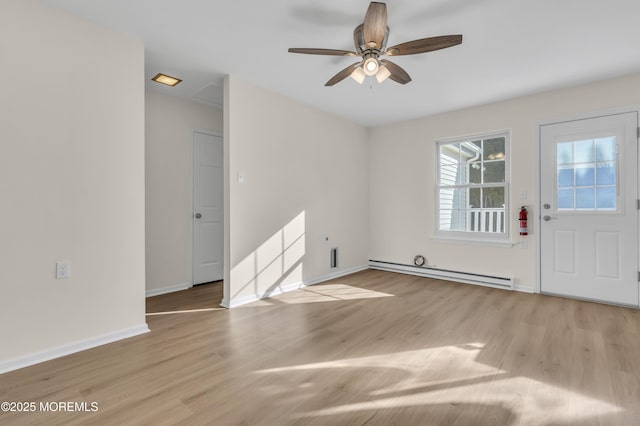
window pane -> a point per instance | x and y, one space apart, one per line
585 176
606 174
565 178
461 174
494 171
453 220
453 198
445 219
583 151
565 153
475 195
606 149
475 146
447 159
451 151
606 198
475 172
448 174
494 149
585 198
493 198
565 199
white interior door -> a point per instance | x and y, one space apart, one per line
208 236
589 210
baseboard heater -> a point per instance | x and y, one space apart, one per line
444 274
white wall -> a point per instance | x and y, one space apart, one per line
170 123
305 178
403 176
71 179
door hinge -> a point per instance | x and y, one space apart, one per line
638 132
638 204
639 276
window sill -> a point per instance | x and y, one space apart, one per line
474 241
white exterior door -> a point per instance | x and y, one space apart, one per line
208 235
589 211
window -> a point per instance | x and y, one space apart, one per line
587 175
472 191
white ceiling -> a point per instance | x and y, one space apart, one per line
510 48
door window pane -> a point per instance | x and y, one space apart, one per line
565 199
606 198
565 178
606 149
583 151
587 174
606 174
585 198
565 153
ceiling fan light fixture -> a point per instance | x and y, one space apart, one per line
382 74
358 75
371 66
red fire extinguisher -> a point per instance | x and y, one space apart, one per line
523 221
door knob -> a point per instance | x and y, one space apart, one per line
198 215
547 218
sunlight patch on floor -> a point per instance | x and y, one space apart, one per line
317 294
329 293
424 377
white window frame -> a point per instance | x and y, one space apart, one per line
498 238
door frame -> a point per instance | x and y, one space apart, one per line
537 216
192 160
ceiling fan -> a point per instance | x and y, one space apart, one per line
370 40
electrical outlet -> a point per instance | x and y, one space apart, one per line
63 269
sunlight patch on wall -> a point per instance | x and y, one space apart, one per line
276 263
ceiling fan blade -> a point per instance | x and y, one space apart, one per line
311 51
424 45
375 24
342 74
397 74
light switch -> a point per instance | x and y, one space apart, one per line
63 269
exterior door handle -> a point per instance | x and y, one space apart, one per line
198 215
547 218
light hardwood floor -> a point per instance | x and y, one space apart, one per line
372 348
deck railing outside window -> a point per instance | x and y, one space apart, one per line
485 220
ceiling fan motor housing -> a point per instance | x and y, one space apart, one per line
362 46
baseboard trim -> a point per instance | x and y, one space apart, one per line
493 281
68 349
296 286
170 289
